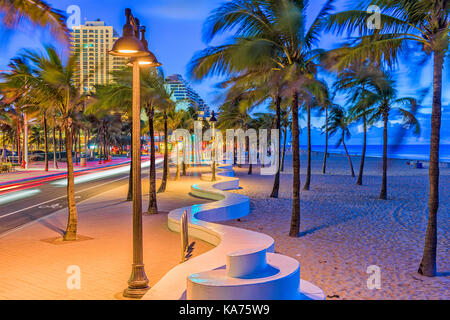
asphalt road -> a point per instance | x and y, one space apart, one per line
25 206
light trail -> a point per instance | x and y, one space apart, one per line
102 174
18 195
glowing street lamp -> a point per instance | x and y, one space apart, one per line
213 121
130 46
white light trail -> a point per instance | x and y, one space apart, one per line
7 198
102 174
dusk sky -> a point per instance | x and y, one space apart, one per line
174 35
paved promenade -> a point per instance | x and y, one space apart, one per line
34 266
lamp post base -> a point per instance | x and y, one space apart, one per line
138 283
135 293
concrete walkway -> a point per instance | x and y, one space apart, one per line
34 266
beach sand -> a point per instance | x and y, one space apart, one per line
345 228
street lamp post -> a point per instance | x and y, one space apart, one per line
213 121
129 45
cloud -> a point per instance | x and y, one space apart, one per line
425 111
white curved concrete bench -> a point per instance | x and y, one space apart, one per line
228 206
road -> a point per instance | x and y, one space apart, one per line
42 198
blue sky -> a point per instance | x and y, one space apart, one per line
174 34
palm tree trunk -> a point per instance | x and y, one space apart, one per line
163 185
428 263
295 219
60 144
71 230
46 142
324 167
153 205
19 155
284 149
276 182
363 156
4 147
177 174
55 161
250 164
348 157
74 139
308 170
383 194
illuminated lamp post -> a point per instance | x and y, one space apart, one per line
130 46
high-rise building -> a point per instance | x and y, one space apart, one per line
185 96
91 43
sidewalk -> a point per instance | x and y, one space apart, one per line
34 266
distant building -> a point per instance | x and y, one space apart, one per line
185 96
91 43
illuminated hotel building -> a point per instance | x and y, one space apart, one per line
185 96
91 43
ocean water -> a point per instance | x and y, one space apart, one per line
407 152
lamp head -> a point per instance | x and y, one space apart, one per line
148 61
213 117
128 45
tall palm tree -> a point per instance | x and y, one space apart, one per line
115 97
265 33
52 84
154 96
405 22
338 122
286 123
315 95
38 12
355 80
385 103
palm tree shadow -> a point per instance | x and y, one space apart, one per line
443 274
52 227
324 226
313 230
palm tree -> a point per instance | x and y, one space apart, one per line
385 103
162 119
37 12
233 114
422 22
286 123
266 33
52 85
316 95
356 80
339 122
36 136
154 96
115 97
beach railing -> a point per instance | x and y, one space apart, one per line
184 235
